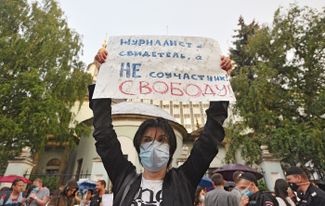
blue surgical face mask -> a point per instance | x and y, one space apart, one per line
154 155
35 190
246 192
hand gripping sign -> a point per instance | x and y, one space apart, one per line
164 68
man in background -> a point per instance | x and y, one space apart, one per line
219 196
235 191
307 193
96 200
251 195
40 195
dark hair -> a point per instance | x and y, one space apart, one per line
217 179
281 190
102 182
71 184
197 195
156 123
91 191
16 181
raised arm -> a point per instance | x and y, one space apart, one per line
206 146
107 145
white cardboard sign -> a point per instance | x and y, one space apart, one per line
163 67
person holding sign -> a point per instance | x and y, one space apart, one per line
155 143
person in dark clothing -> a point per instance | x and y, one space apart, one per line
308 194
281 192
67 196
251 195
87 198
155 143
100 191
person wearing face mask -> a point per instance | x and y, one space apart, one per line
251 195
308 194
40 195
155 143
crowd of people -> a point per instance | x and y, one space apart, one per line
296 189
35 194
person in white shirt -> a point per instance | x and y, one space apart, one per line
40 195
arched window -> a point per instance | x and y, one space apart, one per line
53 166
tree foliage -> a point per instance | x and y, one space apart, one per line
280 88
40 76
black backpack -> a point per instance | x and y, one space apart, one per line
6 195
264 199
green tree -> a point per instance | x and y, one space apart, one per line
280 90
40 76
239 53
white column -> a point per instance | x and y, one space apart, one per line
21 165
271 167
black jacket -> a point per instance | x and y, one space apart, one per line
313 197
179 183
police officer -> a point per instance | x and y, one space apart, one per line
251 195
308 194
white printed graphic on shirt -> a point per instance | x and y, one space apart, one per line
149 194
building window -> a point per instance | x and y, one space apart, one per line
53 166
166 106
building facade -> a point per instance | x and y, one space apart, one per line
190 115
82 161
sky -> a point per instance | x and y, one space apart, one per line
94 19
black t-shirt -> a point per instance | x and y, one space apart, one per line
95 200
313 197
